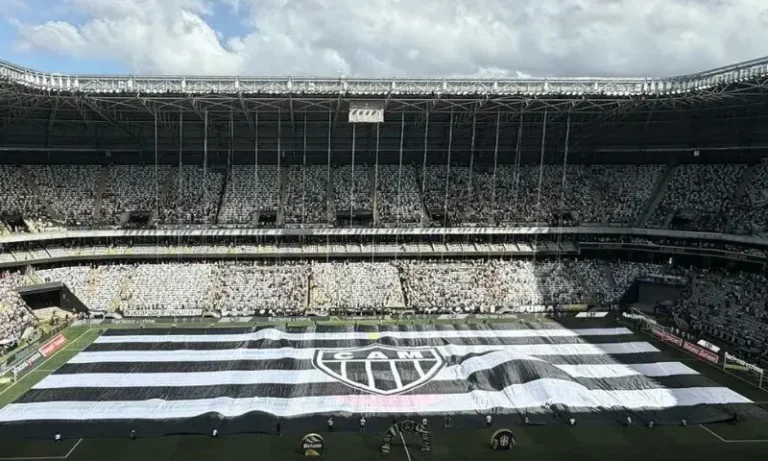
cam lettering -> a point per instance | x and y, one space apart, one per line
410 355
378 355
343 356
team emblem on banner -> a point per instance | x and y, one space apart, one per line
503 439
408 428
380 369
312 445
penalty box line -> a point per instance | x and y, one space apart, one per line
42 458
722 439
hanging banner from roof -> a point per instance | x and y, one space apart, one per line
366 111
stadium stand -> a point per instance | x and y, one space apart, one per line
355 286
398 198
130 188
69 190
750 214
306 199
19 201
249 191
248 289
352 188
193 196
699 196
728 305
15 316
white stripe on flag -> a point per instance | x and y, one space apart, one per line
517 396
274 334
292 377
307 354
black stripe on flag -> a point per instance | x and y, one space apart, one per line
347 343
293 364
494 379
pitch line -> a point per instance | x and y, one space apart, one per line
40 365
41 458
730 441
72 449
405 447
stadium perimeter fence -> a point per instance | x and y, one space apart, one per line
729 363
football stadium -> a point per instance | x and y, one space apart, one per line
345 268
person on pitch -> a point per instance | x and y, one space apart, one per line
362 424
447 423
330 424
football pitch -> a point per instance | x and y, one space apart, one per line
746 440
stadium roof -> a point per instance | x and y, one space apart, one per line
738 80
99 112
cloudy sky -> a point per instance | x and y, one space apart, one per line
416 38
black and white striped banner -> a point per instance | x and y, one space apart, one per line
389 370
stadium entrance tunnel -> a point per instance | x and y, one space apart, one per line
52 294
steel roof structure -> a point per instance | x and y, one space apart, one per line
54 111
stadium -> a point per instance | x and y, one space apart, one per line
229 267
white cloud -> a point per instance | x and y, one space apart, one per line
411 37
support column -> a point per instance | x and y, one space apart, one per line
448 171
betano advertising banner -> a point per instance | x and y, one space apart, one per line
667 337
53 345
700 352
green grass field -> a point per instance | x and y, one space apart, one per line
743 441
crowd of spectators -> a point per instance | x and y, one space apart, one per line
250 190
193 196
163 289
352 189
70 190
356 286
18 200
730 306
750 213
131 188
698 197
398 198
15 316
98 286
241 289
710 197
306 195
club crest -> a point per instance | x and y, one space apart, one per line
380 369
